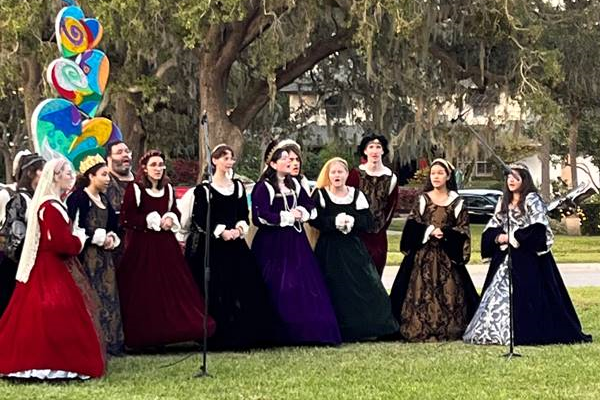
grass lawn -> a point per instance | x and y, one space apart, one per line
566 249
357 371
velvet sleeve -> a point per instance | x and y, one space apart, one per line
353 178
488 241
392 202
131 215
305 201
414 230
174 209
532 238
324 221
200 207
242 207
58 230
457 237
78 206
262 211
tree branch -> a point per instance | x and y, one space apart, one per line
463 73
258 94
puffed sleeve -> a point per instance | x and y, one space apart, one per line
416 231
131 216
242 210
323 221
262 210
56 227
536 236
457 237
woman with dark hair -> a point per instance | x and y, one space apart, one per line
91 210
542 309
160 303
238 297
362 305
380 185
279 208
28 171
433 296
295 155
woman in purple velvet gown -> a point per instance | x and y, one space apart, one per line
295 283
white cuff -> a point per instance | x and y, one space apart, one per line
287 218
428 231
219 230
340 221
99 237
503 246
513 242
153 221
80 234
305 214
350 223
115 238
244 226
176 225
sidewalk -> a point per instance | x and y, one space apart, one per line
573 274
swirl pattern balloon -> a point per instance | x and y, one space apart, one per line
82 81
75 33
59 130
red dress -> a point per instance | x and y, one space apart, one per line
48 324
160 302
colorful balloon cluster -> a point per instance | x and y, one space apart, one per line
67 126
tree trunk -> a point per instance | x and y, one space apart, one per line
32 78
544 157
129 122
573 130
212 102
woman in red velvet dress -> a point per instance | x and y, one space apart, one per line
47 331
160 303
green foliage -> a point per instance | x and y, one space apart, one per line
313 162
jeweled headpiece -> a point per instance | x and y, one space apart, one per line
89 162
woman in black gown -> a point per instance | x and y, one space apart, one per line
238 299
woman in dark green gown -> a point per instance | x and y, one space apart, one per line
360 301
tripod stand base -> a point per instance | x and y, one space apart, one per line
510 355
203 373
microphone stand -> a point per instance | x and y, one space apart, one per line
203 368
506 171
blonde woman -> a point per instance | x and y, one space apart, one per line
360 301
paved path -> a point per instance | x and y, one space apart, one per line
573 274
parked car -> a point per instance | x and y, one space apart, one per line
481 203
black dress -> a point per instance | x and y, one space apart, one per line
238 299
543 311
98 263
361 303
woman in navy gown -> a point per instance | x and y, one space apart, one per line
543 312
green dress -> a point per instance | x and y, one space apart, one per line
360 301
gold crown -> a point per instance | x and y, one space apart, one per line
90 161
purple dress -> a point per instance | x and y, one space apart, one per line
290 269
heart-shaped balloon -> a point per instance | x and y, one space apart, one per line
81 81
58 130
75 33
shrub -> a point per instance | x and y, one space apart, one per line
589 215
407 196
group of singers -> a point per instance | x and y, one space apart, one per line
93 270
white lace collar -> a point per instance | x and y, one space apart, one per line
384 171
